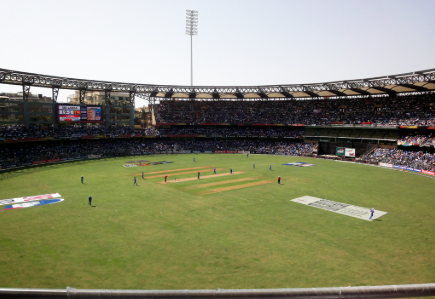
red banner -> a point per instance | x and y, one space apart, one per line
428 172
170 124
408 127
226 152
213 124
186 135
46 161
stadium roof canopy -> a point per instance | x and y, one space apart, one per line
419 81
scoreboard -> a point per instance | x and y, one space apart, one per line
76 113
69 113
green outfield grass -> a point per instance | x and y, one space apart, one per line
176 236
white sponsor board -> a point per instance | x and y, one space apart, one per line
28 198
349 152
338 207
386 164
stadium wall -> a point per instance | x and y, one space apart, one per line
363 292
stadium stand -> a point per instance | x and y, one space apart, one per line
29 153
293 127
415 159
385 111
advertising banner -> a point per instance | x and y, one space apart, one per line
46 161
406 168
93 113
428 172
340 151
399 167
386 164
33 204
28 198
350 152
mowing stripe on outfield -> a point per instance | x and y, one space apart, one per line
218 183
338 207
223 189
173 170
202 177
179 173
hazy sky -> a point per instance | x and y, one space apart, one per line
239 42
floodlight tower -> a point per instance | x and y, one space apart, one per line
191 29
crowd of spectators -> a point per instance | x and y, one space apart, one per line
402 110
228 131
31 151
416 159
418 140
41 131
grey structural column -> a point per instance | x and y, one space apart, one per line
132 96
55 92
82 96
107 104
54 114
26 92
132 115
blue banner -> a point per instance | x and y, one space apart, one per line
32 204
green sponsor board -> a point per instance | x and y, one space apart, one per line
340 151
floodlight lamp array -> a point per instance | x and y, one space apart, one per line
191 22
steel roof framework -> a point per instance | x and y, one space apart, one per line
419 81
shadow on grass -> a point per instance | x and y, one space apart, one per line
12 173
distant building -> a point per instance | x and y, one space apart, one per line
37 110
18 97
97 98
146 116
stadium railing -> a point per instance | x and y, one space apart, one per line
388 291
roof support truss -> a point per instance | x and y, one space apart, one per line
360 86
